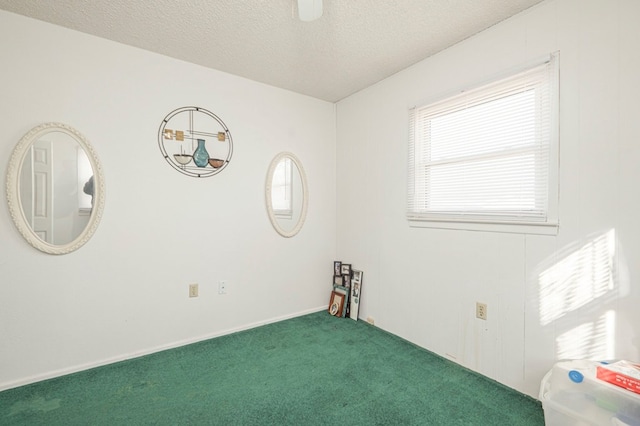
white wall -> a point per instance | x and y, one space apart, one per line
544 293
126 291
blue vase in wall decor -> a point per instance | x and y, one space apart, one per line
200 155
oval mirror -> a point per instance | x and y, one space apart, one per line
55 188
287 194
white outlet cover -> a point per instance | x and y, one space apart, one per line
193 290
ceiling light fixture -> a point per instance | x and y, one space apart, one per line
309 10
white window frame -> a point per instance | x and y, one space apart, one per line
282 189
543 219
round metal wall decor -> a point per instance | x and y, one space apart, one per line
195 142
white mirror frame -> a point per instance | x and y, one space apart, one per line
13 189
305 197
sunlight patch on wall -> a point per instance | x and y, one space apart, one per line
592 340
578 279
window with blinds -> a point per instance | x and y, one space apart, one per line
488 155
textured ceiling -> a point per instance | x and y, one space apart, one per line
355 44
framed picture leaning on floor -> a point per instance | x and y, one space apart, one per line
336 304
345 268
337 268
346 280
356 290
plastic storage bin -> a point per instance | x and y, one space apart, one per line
571 395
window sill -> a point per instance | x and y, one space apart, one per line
535 228
283 215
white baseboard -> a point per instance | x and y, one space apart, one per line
137 354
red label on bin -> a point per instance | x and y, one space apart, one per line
617 378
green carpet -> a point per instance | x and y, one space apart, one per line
311 370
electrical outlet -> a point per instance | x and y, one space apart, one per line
481 310
222 287
193 290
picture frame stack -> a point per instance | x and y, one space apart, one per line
347 289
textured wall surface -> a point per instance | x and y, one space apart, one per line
354 44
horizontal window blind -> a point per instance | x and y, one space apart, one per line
483 155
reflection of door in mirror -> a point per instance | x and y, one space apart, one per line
53 176
36 189
286 194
